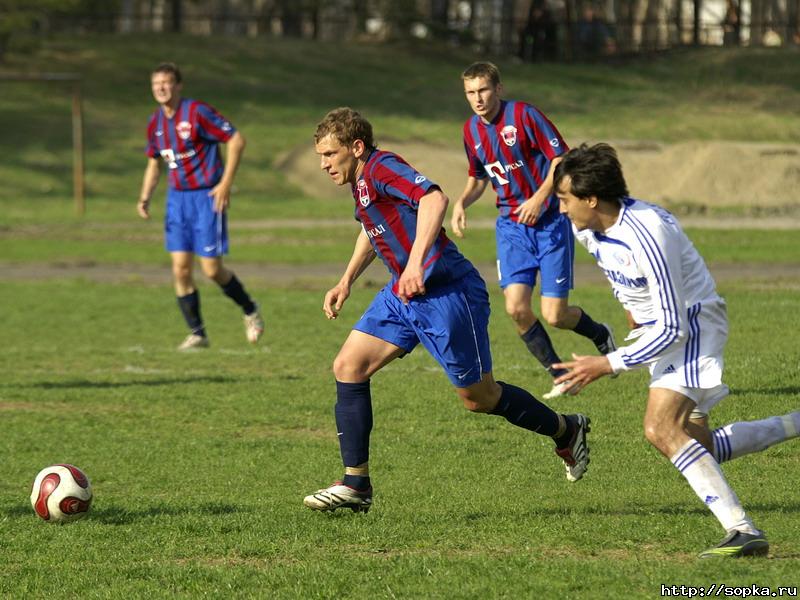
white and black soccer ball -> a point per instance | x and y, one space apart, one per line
61 493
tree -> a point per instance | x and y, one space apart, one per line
18 16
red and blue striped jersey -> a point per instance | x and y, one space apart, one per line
189 144
515 151
387 196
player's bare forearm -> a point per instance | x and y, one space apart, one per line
222 191
152 173
363 255
472 191
432 208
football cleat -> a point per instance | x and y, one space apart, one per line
609 345
193 342
737 544
339 495
560 389
253 326
576 454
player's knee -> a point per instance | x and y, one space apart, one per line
656 435
555 318
518 312
349 370
182 273
475 401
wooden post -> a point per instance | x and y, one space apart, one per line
77 150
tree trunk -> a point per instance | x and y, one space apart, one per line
698 7
177 16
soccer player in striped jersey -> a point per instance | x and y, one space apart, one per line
680 334
435 298
185 134
513 145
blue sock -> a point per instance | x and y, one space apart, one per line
539 344
235 291
520 408
589 328
353 421
190 307
357 482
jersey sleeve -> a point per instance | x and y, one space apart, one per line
540 129
212 125
475 166
396 179
151 149
659 259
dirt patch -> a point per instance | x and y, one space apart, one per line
319 276
690 177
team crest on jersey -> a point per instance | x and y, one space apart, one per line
622 258
509 133
363 192
184 129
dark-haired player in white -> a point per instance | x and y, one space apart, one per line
682 326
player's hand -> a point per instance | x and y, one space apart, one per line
528 211
411 283
582 370
222 197
143 208
334 300
458 222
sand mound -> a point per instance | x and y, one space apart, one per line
690 176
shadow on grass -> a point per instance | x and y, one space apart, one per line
791 390
111 515
87 384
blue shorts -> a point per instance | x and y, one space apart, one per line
451 322
191 225
523 251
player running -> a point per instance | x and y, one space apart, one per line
186 134
682 326
513 145
435 297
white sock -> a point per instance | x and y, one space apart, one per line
706 478
738 439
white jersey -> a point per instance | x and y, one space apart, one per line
657 274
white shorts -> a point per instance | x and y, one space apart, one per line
694 368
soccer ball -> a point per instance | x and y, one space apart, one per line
61 493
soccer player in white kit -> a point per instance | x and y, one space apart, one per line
680 331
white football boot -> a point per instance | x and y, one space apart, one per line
339 495
253 326
576 455
193 342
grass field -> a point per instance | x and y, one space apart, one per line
200 461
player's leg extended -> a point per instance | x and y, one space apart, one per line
214 269
529 328
522 409
745 437
188 300
555 248
360 357
666 425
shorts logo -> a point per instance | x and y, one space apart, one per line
184 129
561 280
363 192
509 133
669 369
419 179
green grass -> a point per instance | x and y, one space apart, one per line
199 462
